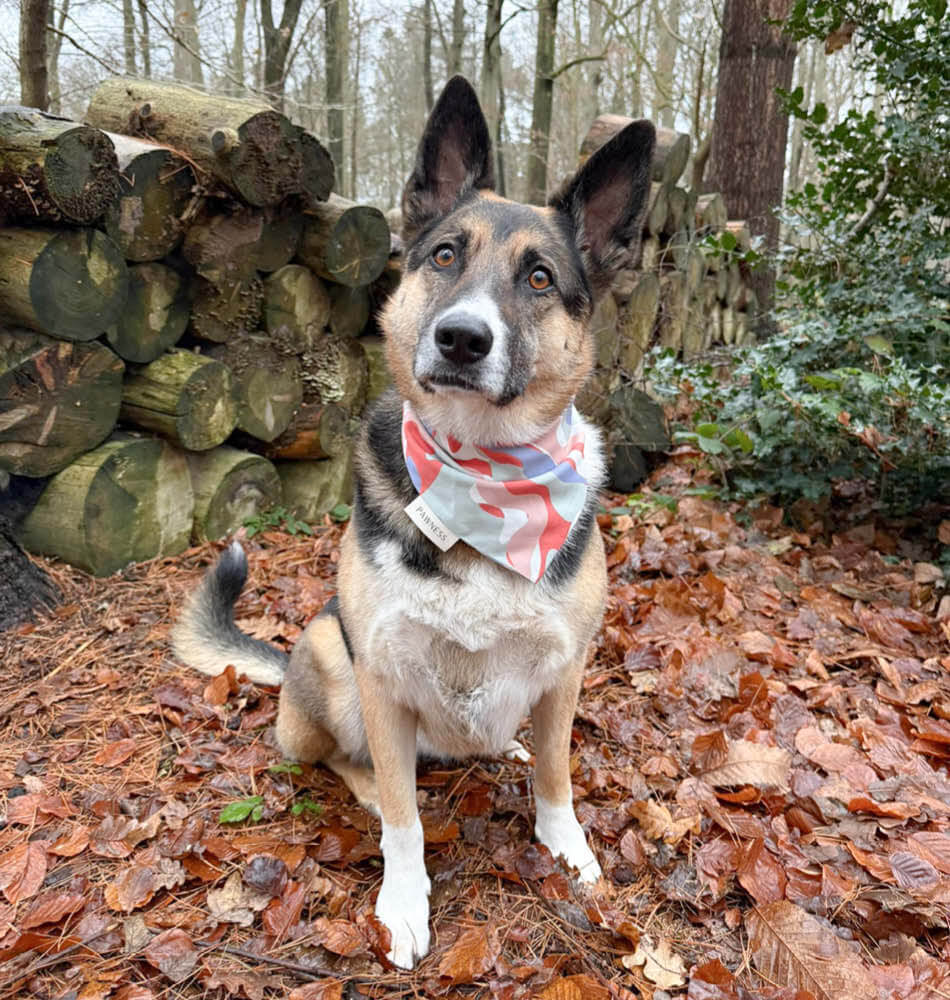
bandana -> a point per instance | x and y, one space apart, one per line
515 504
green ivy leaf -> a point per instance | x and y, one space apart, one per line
285 768
880 345
341 512
237 812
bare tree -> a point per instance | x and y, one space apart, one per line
128 37
187 53
750 128
57 19
277 40
146 42
492 92
458 38
542 102
427 55
237 48
34 79
336 17
667 42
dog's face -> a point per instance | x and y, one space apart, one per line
487 335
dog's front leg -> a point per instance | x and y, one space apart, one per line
403 901
555 824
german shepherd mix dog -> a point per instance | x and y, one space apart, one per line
472 575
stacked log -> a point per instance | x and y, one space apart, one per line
183 306
682 291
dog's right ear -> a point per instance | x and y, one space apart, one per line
454 157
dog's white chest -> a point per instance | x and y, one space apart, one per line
471 656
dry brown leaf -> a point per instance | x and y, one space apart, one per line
172 953
51 907
932 846
235 903
760 873
113 754
324 989
22 870
72 843
281 914
661 965
117 836
580 987
748 763
342 937
791 947
657 821
473 953
131 888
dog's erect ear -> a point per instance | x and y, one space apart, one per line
454 156
606 199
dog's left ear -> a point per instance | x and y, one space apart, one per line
606 200
454 157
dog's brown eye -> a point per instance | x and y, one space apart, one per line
444 256
540 279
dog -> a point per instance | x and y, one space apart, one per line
472 576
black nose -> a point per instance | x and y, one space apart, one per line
463 339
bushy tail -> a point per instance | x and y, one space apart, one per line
206 637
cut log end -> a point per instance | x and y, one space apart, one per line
230 487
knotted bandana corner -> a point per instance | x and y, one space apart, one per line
515 504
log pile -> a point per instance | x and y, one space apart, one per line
183 311
680 292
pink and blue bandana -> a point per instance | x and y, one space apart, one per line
515 504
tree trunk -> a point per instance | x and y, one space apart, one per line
57 400
128 500
155 314
268 384
34 79
296 309
491 88
128 37
187 53
53 170
335 14
668 27
277 39
146 40
69 283
427 90
246 145
24 587
54 47
230 486
458 38
147 220
189 398
355 114
237 49
345 243
750 128
542 102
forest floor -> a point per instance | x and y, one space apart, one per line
761 758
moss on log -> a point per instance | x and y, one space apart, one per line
57 400
246 145
230 486
268 384
336 371
345 243
189 398
374 347
53 169
312 489
157 187
296 308
128 500
68 283
155 315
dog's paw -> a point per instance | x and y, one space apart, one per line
404 909
557 828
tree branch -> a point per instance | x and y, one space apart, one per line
577 62
72 41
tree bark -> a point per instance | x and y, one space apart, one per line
492 94
458 38
54 47
128 37
187 397
668 26
57 400
128 500
237 48
187 54
316 430
250 148
53 170
277 40
335 15
750 128
146 40
427 90
34 78
542 103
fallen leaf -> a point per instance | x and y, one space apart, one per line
72 843
791 947
748 763
113 754
51 907
657 821
580 987
661 965
132 888
28 809
22 870
117 836
324 989
473 954
342 937
265 873
760 874
235 903
172 953
281 914
912 872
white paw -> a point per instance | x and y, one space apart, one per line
405 912
403 901
515 751
557 828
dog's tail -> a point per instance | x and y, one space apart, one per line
206 637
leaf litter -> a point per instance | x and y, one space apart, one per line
760 758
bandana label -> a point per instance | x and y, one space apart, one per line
515 504
430 525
